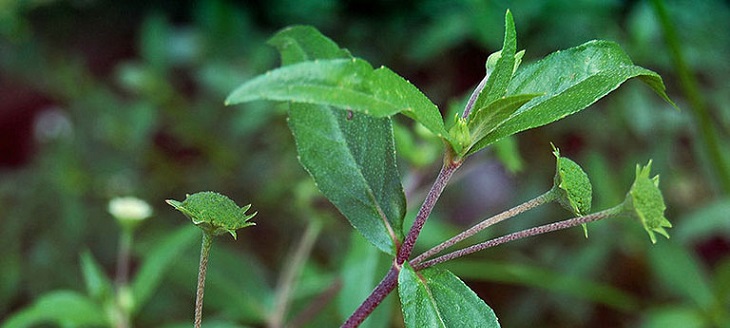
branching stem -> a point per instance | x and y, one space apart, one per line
528 205
433 195
391 278
522 234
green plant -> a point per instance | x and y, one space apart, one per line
340 111
214 214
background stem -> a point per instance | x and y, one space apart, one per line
202 270
688 82
123 315
291 271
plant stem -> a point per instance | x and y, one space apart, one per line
125 247
391 278
292 270
528 205
202 270
122 311
376 297
474 95
560 225
433 195
688 82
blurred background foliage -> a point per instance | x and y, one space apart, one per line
100 99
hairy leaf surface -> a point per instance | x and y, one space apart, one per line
571 80
351 157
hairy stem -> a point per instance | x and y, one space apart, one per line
292 270
474 95
560 225
528 205
391 278
202 269
433 195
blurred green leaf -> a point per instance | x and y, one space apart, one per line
350 84
674 317
237 286
527 275
154 42
98 285
680 273
438 298
508 153
301 43
212 323
571 80
709 220
362 268
158 260
351 157
63 308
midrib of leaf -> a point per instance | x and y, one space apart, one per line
322 133
431 298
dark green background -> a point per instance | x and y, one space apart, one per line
100 99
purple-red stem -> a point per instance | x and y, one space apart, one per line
560 225
433 195
391 279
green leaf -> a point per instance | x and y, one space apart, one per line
351 157
214 213
301 43
645 202
98 285
576 192
508 153
571 80
350 84
62 308
500 77
438 298
157 261
487 119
